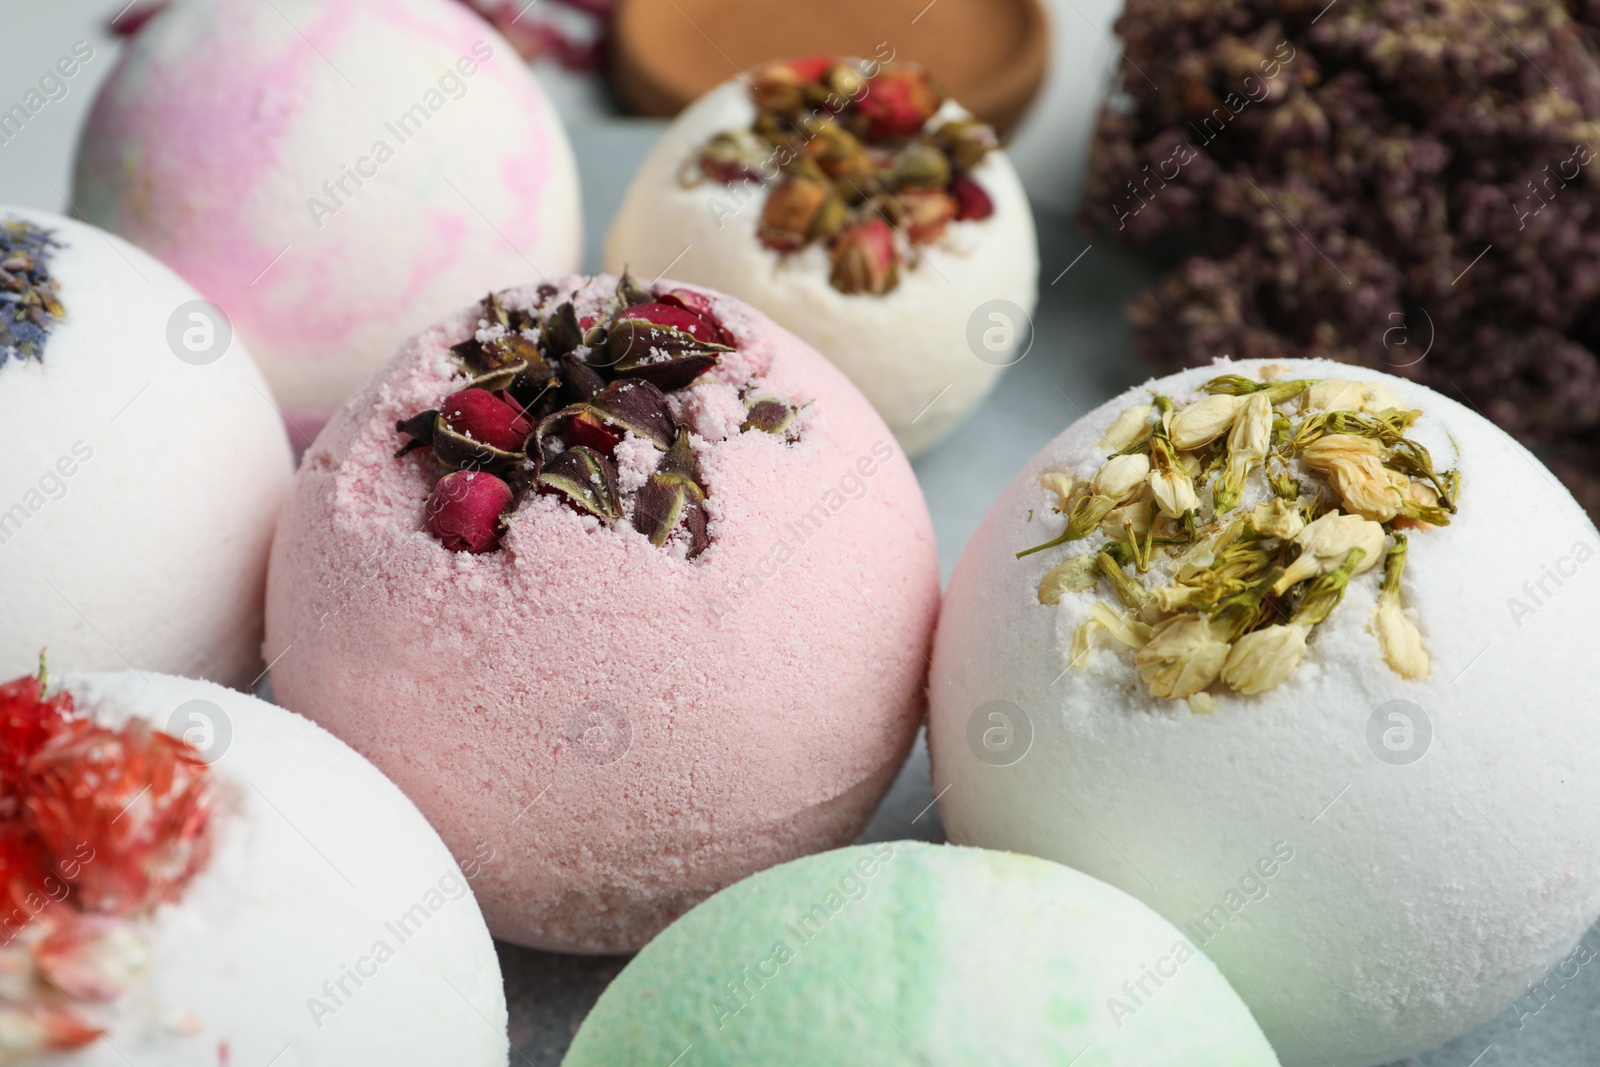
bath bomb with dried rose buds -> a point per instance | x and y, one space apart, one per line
674 636
879 953
334 176
1383 826
144 465
193 876
910 262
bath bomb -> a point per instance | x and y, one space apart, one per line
892 953
145 465
1339 735
647 610
193 876
860 209
334 176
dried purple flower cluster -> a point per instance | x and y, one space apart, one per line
1371 181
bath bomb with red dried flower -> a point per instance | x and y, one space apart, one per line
1301 655
860 208
629 581
144 463
190 876
334 176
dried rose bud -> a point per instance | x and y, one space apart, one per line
972 203
780 86
481 416
690 301
584 478
465 510
900 101
966 142
659 348
864 259
729 158
926 214
790 213
677 317
837 152
588 429
919 166
673 495
768 414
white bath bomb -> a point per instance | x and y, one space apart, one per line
144 470
334 176
329 926
1378 864
913 351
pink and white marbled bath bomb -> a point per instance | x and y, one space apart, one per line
334 176
630 729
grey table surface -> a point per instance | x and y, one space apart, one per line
1079 359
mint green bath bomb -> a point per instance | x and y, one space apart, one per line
909 953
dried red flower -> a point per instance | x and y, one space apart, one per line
464 510
139 798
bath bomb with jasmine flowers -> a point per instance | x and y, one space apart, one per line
1297 654
145 465
628 579
333 176
858 207
190 876
884 953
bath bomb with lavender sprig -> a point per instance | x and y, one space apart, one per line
145 463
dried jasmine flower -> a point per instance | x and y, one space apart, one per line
1236 592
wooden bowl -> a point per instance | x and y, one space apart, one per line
989 54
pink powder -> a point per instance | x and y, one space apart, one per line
628 731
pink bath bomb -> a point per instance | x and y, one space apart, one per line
633 724
335 176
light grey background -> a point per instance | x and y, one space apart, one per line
1078 360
